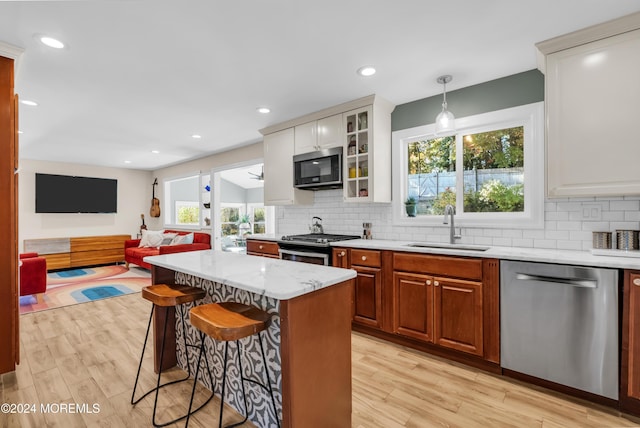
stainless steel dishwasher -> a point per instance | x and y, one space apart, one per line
560 323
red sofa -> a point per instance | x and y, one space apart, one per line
33 275
135 254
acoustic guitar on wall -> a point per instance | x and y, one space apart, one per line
155 202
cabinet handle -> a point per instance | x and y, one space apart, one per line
341 254
364 258
436 283
260 247
636 281
428 282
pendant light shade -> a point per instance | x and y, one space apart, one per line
445 121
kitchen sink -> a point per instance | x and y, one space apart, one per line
448 246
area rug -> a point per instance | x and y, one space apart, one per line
70 287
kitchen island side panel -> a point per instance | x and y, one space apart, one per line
316 358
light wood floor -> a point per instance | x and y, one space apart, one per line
88 353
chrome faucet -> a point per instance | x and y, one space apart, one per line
450 211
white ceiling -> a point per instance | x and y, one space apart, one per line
244 176
143 75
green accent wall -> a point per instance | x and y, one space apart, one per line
511 91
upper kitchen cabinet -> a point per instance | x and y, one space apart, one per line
591 93
365 122
318 134
278 171
367 152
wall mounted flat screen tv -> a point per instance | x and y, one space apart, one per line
70 194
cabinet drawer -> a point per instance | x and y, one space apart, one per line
264 247
457 267
365 258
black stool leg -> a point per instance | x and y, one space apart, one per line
224 381
155 402
266 369
244 393
195 380
146 337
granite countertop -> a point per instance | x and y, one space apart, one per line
583 258
279 279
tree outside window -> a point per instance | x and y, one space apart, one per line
492 178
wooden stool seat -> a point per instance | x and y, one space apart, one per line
229 320
172 295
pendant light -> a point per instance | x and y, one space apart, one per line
445 121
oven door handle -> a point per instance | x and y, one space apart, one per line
324 257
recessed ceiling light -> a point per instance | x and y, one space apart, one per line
155 152
196 136
29 103
366 70
51 42
127 161
263 110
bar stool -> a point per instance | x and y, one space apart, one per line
231 321
165 296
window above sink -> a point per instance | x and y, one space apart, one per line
491 170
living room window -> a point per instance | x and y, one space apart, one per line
182 201
490 170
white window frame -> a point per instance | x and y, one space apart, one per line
170 213
251 206
531 116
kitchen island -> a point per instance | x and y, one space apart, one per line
308 343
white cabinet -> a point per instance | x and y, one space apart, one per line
318 135
367 153
592 94
278 171
333 127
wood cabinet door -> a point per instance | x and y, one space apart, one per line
458 315
340 258
413 305
368 296
630 370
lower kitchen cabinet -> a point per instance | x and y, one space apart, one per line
448 305
263 248
630 369
451 302
340 258
458 315
413 305
368 289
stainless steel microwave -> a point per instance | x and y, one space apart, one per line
318 170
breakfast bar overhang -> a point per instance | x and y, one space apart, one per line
308 342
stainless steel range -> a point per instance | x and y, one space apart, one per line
311 247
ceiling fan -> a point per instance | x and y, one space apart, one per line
259 177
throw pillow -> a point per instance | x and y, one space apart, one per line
167 238
183 239
151 238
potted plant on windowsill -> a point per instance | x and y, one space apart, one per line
410 206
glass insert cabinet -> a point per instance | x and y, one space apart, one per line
357 166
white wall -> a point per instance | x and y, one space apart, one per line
134 198
564 226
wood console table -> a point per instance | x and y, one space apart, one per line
64 253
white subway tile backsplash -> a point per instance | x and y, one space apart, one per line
626 205
564 227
